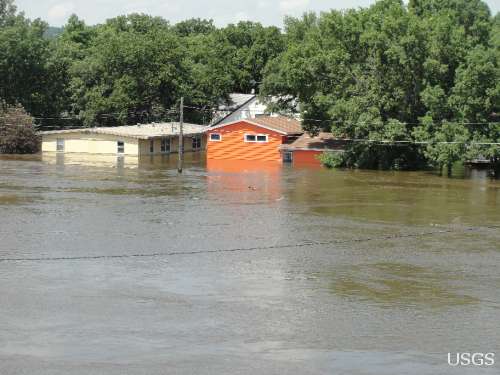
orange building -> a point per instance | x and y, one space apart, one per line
257 139
306 149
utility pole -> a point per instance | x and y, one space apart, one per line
181 138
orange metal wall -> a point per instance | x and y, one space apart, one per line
306 157
233 147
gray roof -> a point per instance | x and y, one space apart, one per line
145 131
236 101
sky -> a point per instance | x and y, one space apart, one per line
268 12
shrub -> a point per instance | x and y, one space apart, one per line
17 132
332 159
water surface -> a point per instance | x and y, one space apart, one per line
121 266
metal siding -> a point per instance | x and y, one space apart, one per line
233 147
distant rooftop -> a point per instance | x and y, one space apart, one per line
236 100
143 131
320 142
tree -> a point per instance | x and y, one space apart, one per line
133 65
251 47
476 94
7 12
392 72
443 145
27 74
17 133
194 26
208 78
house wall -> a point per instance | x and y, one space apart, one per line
107 144
144 144
301 157
233 146
89 143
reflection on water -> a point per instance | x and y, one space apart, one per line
398 197
244 182
392 284
119 162
88 160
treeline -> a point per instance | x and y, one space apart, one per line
415 84
130 69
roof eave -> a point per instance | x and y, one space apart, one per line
250 122
284 147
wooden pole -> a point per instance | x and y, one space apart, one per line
181 138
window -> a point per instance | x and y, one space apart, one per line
215 137
259 138
151 146
196 143
287 156
165 145
250 138
120 147
60 144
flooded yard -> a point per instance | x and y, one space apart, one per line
124 267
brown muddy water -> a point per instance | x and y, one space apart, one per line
124 267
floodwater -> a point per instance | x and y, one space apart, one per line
124 267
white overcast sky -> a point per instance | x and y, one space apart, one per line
269 12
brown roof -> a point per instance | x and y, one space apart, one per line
281 124
323 141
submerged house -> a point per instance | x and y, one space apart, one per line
255 139
306 149
148 139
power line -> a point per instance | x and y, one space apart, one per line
391 142
247 249
253 111
130 113
250 111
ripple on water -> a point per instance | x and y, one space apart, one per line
14 199
398 284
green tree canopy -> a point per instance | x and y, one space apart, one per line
391 72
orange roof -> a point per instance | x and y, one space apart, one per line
280 124
323 141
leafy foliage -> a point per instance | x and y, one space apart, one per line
395 73
130 69
17 133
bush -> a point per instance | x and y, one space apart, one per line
17 132
332 159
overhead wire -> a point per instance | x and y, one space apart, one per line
381 142
309 243
250 111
